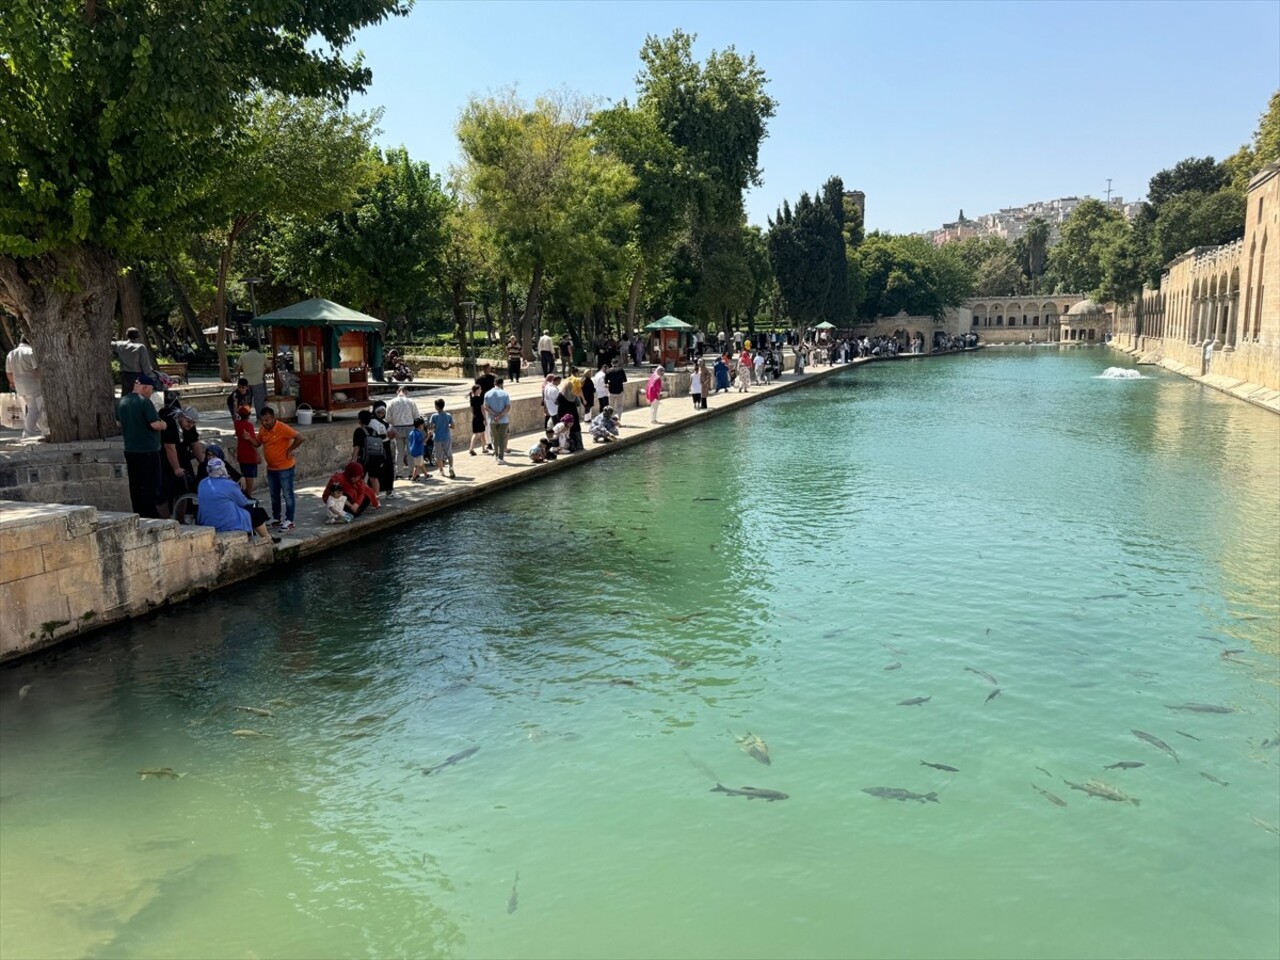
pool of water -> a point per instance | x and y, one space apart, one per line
796 569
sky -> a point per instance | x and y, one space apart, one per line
927 107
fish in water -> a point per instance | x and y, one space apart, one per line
1108 596
1124 765
706 499
753 746
257 711
914 701
897 793
23 691
1264 825
1045 772
1201 707
1228 654
1182 733
1053 798
513 901
1212 779
250 733
1271 742
686 617
984 675
456 758
1096 788
892 649
1156 742
751 793
896 665
939 766
159 772
616 682
992 695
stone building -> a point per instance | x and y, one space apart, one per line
1217 309
1017 319
1086 322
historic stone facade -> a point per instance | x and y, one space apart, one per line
1217 309
1017 319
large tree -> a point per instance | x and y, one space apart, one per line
299 157
808 256
1092 229
116 118
909 274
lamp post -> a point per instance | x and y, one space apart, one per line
471 334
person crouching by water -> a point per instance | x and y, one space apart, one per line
346 495
224 506
603 427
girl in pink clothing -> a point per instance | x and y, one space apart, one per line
653 392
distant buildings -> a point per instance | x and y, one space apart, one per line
1010 223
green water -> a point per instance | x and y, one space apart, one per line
1094 545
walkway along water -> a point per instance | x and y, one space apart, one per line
67 571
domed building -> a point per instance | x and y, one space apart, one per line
1086 322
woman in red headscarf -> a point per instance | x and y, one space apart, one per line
346 495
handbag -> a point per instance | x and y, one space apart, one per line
12 411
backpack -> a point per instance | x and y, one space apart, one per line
373 449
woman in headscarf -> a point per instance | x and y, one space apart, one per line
567 405
722 374
704 380
346 495
224 506
604 428
653 392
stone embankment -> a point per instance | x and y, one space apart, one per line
1260 396
66 570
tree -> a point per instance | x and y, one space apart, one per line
116 118
1037 236
384 253
298 157
992 264
1087 234
537 180
808 256
1245 163
1201 174
910 274
1196 219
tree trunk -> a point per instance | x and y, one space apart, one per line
633 299
129 290
220 298
530 315
189 318
66 303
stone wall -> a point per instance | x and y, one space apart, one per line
69 569
1217 309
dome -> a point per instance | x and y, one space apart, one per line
1087 308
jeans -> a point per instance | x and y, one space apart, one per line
280 483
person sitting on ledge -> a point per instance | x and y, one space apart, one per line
346 495
224 506
603 428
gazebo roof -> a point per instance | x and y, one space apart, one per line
825 325
668 323
319 312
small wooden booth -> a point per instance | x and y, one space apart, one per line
670 340
323 353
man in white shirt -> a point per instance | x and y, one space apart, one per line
24 379
401 412
547 352
252 365
550 394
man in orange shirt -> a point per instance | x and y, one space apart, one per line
278 441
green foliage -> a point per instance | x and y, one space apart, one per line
1196 219
809 257
992 264
117 117
1091 230
909 274
384 253
1199 174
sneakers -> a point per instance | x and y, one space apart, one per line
347 518
275 524
287 525
452 475
472 452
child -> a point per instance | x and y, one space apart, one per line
346 495
442 426
246 450
417 450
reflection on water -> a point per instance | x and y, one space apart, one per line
1096 551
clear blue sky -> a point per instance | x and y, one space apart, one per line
927 107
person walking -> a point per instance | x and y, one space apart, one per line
401 412
135 360
416 445
442 429
704 379
614 379
252 365
566 354
380 426
24 379
550 392
478 424
600 387
515 358
246 449
497 407
653 392
141 426
278 442
486 381
546 353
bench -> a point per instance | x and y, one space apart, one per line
176 371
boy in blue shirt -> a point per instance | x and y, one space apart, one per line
417 450
442 427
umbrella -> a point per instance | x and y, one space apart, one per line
824 325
